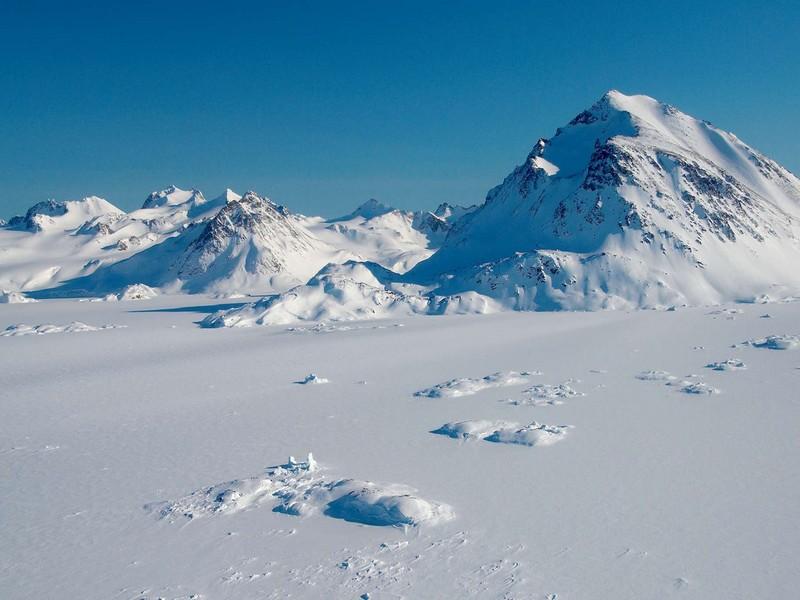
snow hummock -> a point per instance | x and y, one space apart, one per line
776 342
534 434
297 488
698 387
655 375
74 327
730 364
466 386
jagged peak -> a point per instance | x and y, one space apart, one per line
173 196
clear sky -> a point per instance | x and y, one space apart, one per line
322 105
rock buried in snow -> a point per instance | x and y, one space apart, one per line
137 291
312 379
74 327
7 297
466 386
731 364
776 342
500 432
297 488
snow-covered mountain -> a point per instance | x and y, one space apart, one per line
633 204
179 240
56 242
52 215
390 237
250 244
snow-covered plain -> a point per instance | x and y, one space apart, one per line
113 442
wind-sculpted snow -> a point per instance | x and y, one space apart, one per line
298 488
545 394
466 386
74 327
697 387
655 375
692 384
501 432
776 342
730 364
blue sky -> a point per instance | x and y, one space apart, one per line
322 105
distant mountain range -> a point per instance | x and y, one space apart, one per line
632 204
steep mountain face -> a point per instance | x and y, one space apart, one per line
249 239
633 203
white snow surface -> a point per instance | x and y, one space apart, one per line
108 439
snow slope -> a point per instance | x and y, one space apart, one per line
651 494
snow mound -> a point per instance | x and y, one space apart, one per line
232 496
312 379
548 391
74 327
534 434
7 297
776 342
730 364
698 388
394 505
137 291
470 429
466 386
655 376
297 488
